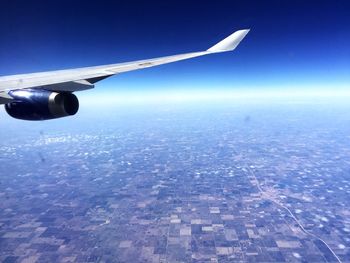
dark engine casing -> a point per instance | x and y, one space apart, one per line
36 104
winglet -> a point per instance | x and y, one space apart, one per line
229 43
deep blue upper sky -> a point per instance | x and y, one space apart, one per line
291 43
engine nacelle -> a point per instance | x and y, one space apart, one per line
36 104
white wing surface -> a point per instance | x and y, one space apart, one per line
84 78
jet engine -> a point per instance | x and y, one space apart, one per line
36 104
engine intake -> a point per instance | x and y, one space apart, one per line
35 104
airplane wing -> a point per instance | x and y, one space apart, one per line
71 80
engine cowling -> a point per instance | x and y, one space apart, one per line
36 104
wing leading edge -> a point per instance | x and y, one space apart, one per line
84 78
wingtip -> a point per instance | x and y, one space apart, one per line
230 42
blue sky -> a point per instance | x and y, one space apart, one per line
292 44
